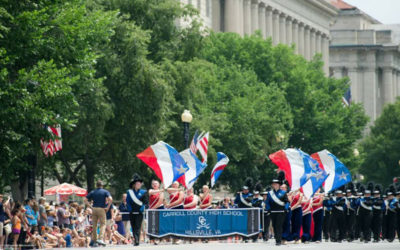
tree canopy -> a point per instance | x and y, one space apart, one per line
116 75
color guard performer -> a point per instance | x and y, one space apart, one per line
176 196
190 201
306 205
277 204
205 198
318 215
156 200
297 215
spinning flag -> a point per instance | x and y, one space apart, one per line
52 146
291 161
196 167
166 162
339 175
316 176
193 147
219 167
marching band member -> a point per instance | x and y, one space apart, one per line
297 215
276 205
338 217
391 214
398 211
286 235
243 199
190 201
365 212
258 203
306 205
267 219
377 209
156 200
137 200
318 215
351 212
326 227
176 196
205 198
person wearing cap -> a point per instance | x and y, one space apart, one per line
365 213
398 211
102 201
328 205
243 199
350 214
137 201
266 216
338 217
357 231
377 208
391 214
277 204
257 202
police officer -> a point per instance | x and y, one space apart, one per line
365 212
377 208
391 214
338 217
277 203
137 201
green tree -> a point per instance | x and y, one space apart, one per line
380 152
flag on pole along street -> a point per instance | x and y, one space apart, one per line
193 147
52 146
291 161
202 146
346 99
196 167
339 175
166 162
219 167
316 176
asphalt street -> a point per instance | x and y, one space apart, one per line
261 245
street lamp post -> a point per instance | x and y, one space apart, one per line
186 119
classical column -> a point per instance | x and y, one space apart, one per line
282 27
301 39
289 38
232 16
398 84
387 85
275 33
353 75
312 43
318 42
268 21
254 16
295 35
370 92
261 20
240 17
325 53
247 17
394 81
216 15
307 44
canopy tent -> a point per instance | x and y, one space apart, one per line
66 189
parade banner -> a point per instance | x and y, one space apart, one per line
203 223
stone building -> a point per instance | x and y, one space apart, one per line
305 23
368 53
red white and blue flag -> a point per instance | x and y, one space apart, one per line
219 167
301 171
193 147
51 146
165 161
202 146
196 167
339 175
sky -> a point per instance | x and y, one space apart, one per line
385 11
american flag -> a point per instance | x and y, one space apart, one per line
202 146
346 99
51 147
193 144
